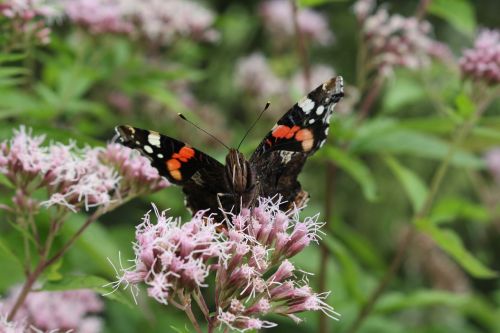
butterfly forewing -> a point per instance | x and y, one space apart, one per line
200 175
281 155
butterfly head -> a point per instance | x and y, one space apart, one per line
238 172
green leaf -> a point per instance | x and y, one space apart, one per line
397 301
465 107
387 136
468 304
355 168
402 91
415 188
95 283
458 13
451 243
95 242
349 271
451 208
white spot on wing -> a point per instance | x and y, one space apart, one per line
322 143
319 110
154 139
197 178
148 149
306 105
311 121
160 155
286 156
326 131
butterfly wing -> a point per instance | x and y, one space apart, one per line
281 155
200 176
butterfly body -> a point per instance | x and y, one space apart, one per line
272 169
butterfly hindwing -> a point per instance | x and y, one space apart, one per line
200 176
281 155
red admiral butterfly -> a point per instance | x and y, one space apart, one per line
272 169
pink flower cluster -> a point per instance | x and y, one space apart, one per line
278 19
98 16
171 256
483 61
30 17
160 21
136 173
395 41
55 312
248 256
73 177
254 75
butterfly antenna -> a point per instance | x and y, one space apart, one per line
254 123
201 129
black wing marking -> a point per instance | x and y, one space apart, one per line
281 155
200 176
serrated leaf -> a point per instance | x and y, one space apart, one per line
458 13
415 188
451 243
355 168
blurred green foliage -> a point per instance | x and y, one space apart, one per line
384 165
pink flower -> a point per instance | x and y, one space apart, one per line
396 41
160 21
483 61
136 172
249 256
278 19
99 16
74 177
493 163
319 73
31 18
255 76
64 310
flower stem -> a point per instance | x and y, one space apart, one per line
28 284
186 301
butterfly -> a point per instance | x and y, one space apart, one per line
271 171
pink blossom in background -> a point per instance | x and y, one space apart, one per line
319 73
396 41
492 158
277 17
99 16
249 257
59 311
255 76
482 62
160 21
31 17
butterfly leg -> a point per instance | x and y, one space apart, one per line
219 195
